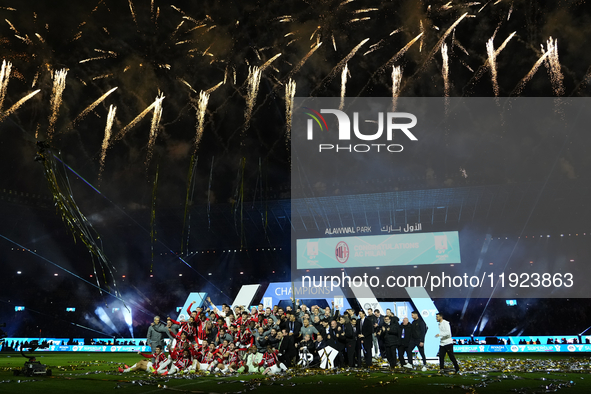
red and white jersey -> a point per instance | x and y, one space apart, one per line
196 353
242 321
245 338
234 358
157 359
183 362
269 359
223 352
180 344
209 356
185 327
201 333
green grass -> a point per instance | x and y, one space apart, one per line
96 373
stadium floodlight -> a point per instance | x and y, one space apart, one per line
19 308
70 309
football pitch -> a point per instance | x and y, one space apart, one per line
97 373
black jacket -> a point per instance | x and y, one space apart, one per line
367 328
350 335
337 338
418 330
296 327
404 334
287 346
310 345
390 334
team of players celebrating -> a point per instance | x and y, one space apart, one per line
268 341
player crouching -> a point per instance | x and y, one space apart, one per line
271 362
232 361
209 358
181 362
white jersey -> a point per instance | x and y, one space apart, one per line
445 333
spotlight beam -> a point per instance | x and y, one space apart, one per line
70 272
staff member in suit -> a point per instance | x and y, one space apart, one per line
351 342
292 326
365 329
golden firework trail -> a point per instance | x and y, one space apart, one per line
18 104
105 55
290 90
339 66
446 6
4 77
201 108
391 62
459 45
92 106
480 72
268 62
177 29
490 50
254 79
360 19
304 59
378 45
214 88
521 85
24 39
188 84
484 6
504 44
445 70
343 86
12 26
285 18
400 53
102 76
124 131
314 33
59 84
422 30
132 12
437 46
553 66
156 116
396 85
107 138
